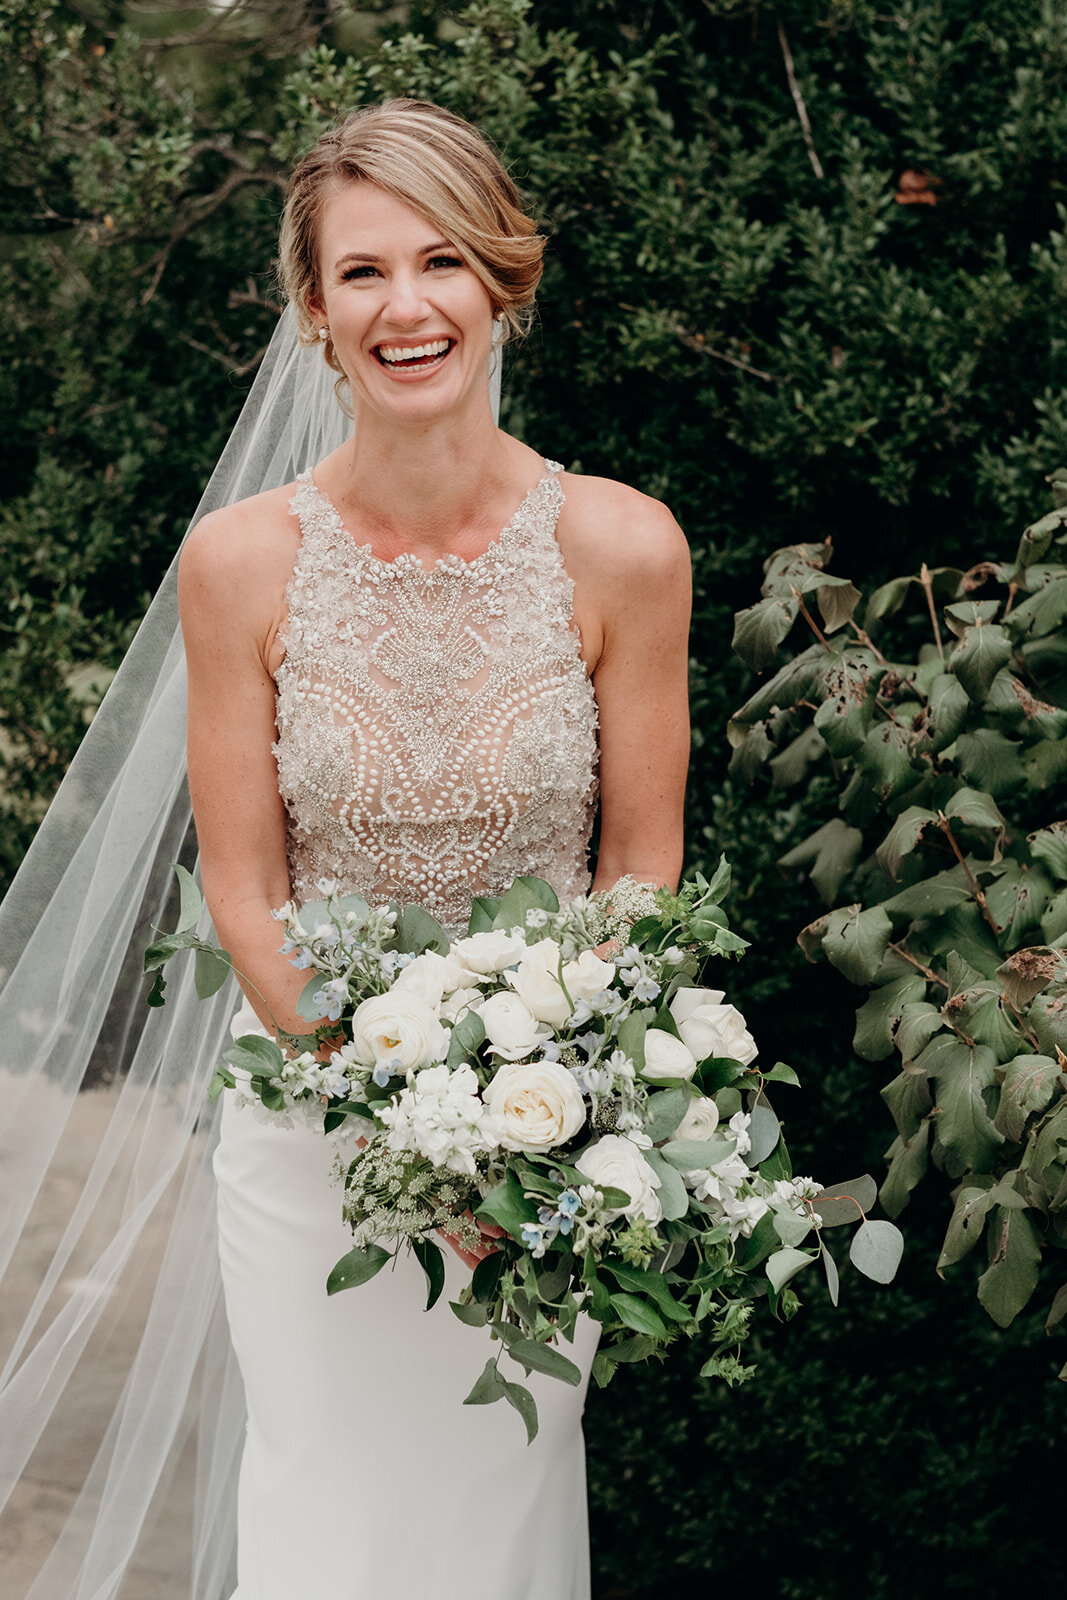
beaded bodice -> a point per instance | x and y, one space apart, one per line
436 726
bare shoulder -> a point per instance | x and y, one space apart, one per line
241 553
616 534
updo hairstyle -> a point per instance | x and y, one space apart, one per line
440 166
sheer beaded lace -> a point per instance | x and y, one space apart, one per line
436 726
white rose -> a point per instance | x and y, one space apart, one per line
537 984
666 1056
710 1028
700 1120
587 976
490 952
398 1031
616 1163
431 977
536 1103
511 1027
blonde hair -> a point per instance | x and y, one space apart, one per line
443 168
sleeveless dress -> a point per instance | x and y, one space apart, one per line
436 738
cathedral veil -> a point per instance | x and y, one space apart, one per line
106 1133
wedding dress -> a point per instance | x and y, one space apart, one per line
436 738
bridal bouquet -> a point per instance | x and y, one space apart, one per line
564 1075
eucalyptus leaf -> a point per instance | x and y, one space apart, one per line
829 1266
212 968
191 902
876 1249
790 1226
673 1195
764 1131
785 1264
666 1108
844 1203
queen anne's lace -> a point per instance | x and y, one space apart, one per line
436 727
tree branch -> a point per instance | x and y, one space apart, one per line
798 101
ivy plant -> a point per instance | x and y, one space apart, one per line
938 711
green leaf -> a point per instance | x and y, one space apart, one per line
964 1132
1015 1256
1058 1309
789 685
650 1283
631 1036
489 1387
213 967
987 758
161 950
966 1225
832 850
358 1266
902 838
1050 846
919 1021
537 1357
525 894
507 1206
523 1402
908 1098
978 657
931 897
843 1203
192 901
884 764
790 765
829 1266
466 1036
781 1073
1029 1083
877 1017
638 1315
855 941
474 1313
760 629
417 931
948 707
876 1249
785 1264
1041 613
252 1053
673 1195
485 1280
696 1155
666 1108
843 724
837 598
791 1226
483 914
764 1131
906 1160
432 1262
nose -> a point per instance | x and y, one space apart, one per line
407 305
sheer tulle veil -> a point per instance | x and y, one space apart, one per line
118 1391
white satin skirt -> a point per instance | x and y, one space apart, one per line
364 1477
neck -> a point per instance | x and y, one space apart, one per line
423 485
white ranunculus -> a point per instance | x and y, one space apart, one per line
666 1056
431 977
510 1026
536 982
615 1162
700 1120
490 952
537 1104
587 976
711 1029
398 1031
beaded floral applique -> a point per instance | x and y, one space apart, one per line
436 727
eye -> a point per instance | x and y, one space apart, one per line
444 261
357 272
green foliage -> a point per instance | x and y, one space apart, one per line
946 744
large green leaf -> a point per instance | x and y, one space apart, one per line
919 1021
931 897
978 657
1049 845
212 968
843 724
876 1018
507 1206
855 941
652 1284
1015 1257
876 1249
885 762
906 1160
789 684
948 706
536 1357
191 900
837 598
357 1267
976 808
990 760
902 837
965 1135
432 1262
673 1195
1041 613
909 1100
638 1315
966 1224
842 1203
417 931
759 630
785 1264
832 850
1029 1083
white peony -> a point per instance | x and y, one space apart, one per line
511 1027
537 1104
711 1029
399 1032
536 982
666 1056
616 1163
587 976
431 977
490 952
700 1120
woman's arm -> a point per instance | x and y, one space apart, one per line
634 563
231 587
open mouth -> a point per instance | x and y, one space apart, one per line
413 358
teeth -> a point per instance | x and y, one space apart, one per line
395 354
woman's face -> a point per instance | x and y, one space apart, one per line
393 285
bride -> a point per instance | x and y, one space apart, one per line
413 671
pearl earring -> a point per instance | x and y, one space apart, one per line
324 333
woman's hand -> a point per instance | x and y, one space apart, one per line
470 1258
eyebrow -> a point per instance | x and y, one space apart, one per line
374 261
